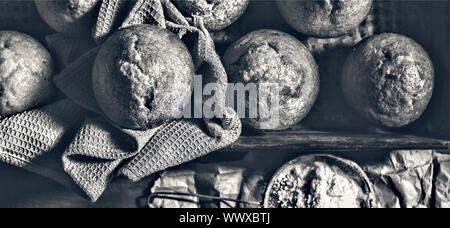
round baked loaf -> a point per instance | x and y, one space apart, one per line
142 77
70 17
388 79
273 57
324 18
216 14
320 181
25 73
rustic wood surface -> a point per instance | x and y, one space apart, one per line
20 188
334 141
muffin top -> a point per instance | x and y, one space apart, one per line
71 17
273 57
319 181
143 76
389 78
324 18
217 14
25 71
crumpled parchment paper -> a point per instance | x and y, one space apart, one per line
405 179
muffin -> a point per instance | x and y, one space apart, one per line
142 77
388 79
320 181
272 57
70 17
25 73
322 46
216 14
324 18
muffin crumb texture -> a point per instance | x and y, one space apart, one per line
70 17
324 18
143 76
25 73
317 183
389 79
217 14
273 57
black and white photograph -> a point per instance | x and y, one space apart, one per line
250 105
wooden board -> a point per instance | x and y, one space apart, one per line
332 141
20 188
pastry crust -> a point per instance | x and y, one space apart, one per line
389 79
320 181
143 76
26 68
70 17
269 56
324 18
216 14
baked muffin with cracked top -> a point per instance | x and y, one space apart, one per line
389 79
269 57
143 77
324 18
70 17
217 14
26 68
320 181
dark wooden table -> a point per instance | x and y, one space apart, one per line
20 188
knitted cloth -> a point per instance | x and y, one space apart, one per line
75 81
146 12
65 49
34 140
99 150
27 136
60 47
110 17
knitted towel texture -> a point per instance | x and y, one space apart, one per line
110 17
27 136
99 150
65 49
75 81
146 12
33 140
60 47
